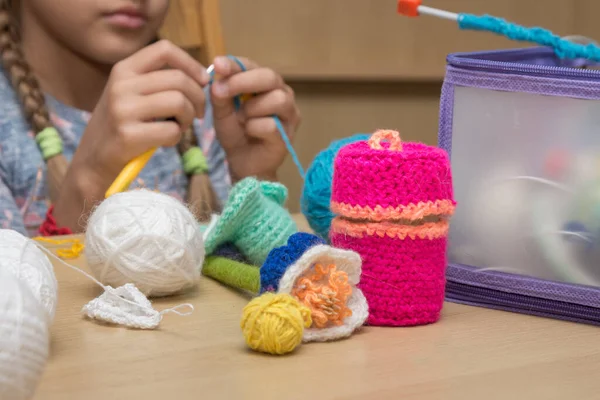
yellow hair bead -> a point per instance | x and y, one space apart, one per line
274 323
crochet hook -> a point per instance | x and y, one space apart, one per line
562 47
129 173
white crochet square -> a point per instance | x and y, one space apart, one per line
126 306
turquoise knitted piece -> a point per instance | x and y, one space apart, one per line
562 47
253 220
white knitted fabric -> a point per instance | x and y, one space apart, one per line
126 306
24 339
21 257
345 260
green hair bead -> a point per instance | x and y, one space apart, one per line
194 162
49 142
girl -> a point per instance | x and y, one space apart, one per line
82 93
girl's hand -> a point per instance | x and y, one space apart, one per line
140 95
158 82
249 136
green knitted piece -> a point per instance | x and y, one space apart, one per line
232 273
253 220
49 142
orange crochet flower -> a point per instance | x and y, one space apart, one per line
326 291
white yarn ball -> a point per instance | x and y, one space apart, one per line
24 339
22 258
145 238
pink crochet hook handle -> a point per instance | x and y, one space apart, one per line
393 137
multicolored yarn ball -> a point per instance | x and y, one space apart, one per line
316 193
225 266
253 220
274 323
393 202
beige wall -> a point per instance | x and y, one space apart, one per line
336 110
356 65
367 39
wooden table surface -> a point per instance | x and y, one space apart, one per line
471 353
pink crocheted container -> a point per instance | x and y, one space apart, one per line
379 180
393 202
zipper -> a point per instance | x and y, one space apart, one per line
521 303
470 61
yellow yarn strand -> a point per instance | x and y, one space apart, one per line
274 323
66 254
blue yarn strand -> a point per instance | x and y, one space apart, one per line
289 146
236 99
543 37
237 61
278 124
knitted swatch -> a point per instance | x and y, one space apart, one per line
253 220
319 276
231 252
393 202
281 258
324 279
235 274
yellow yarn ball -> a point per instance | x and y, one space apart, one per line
274 323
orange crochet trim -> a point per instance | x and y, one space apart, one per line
411 211
429 230
386 134
325 292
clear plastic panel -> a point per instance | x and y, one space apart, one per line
526 172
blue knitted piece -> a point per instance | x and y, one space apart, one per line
281 258
316 194
563 48
231 252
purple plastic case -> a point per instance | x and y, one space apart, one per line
535 71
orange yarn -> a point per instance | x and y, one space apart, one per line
429 230
393 137
326 292
413 211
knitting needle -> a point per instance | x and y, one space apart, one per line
413 8
572 45
135 166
